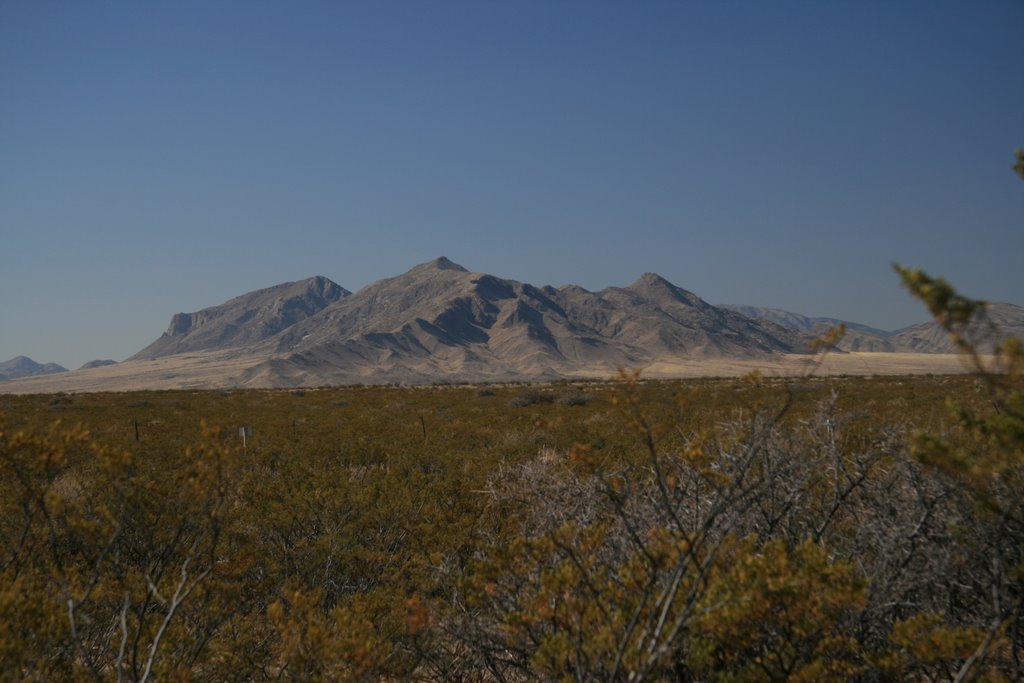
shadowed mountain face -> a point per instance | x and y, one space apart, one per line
245 320
1000 320
23 366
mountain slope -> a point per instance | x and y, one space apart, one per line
23 366
245 320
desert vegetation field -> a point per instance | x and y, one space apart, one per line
711 529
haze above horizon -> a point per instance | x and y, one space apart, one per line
158 159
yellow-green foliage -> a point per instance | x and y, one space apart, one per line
986 456
924 645
775 613
442 533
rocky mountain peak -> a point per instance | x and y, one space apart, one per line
655 287
441 263
650 279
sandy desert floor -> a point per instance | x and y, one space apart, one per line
831 364
188 371
218 370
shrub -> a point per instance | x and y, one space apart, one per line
576 398
531 397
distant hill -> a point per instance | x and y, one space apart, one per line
999 320
858 337
245 320
97 364
23 366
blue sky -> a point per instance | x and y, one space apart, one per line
164 157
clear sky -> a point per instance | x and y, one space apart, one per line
164 157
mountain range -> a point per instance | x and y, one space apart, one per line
441 322
1001 319
23 366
